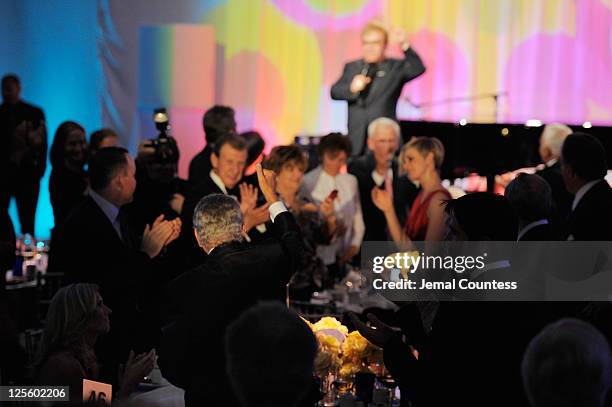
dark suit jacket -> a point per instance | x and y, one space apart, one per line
561 198
186 251
205 300
88 249
473 352
592 217
380 98
404 193
11 116
200 166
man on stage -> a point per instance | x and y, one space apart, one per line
373 84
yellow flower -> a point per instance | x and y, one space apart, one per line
330 323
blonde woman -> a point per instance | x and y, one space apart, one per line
76 318
421 159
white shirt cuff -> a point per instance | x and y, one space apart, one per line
276 208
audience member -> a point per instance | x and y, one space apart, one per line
280 372
485 338
97 244
205 300
228 160
584 166
328 181
317 224
531 197
379 169
255 148
567 364
23 152
68 182
217 121
76 318
421 159
551 141
102 138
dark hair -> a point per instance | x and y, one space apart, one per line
334 143
567 364
284 155
10 78
105 164
531 197
484 216
233 140
585 155
98 136
217 121
269 343
255 145
56 155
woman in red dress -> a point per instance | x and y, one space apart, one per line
421 159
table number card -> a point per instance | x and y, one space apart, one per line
96 392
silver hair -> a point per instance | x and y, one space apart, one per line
218 219
554 135
385 122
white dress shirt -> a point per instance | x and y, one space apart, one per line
317 185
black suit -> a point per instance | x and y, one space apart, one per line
562 199
200 166
21 164
379 99
471 357
88 249
404 193
205 300
592 217
187 252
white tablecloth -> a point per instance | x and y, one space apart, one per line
166 395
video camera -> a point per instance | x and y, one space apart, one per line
162 163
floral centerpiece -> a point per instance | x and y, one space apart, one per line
342 353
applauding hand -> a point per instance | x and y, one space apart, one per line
267 184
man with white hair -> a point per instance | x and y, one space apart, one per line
551 142
378 169
234 277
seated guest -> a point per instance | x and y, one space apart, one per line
76 318
280 373
567 364
551 141
421 159
228 160
378 169
235 276
217 121
317 224
68 182
486 339
102 138
255 148
531 198
96 244
328 181
584 166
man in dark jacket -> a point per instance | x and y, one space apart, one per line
379 169
205 300
373 84
23 152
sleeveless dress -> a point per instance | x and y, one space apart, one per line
416 224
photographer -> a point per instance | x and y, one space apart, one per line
159 190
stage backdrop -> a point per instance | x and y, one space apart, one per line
110 62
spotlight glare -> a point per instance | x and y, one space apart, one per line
533 123
463 122
587 125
